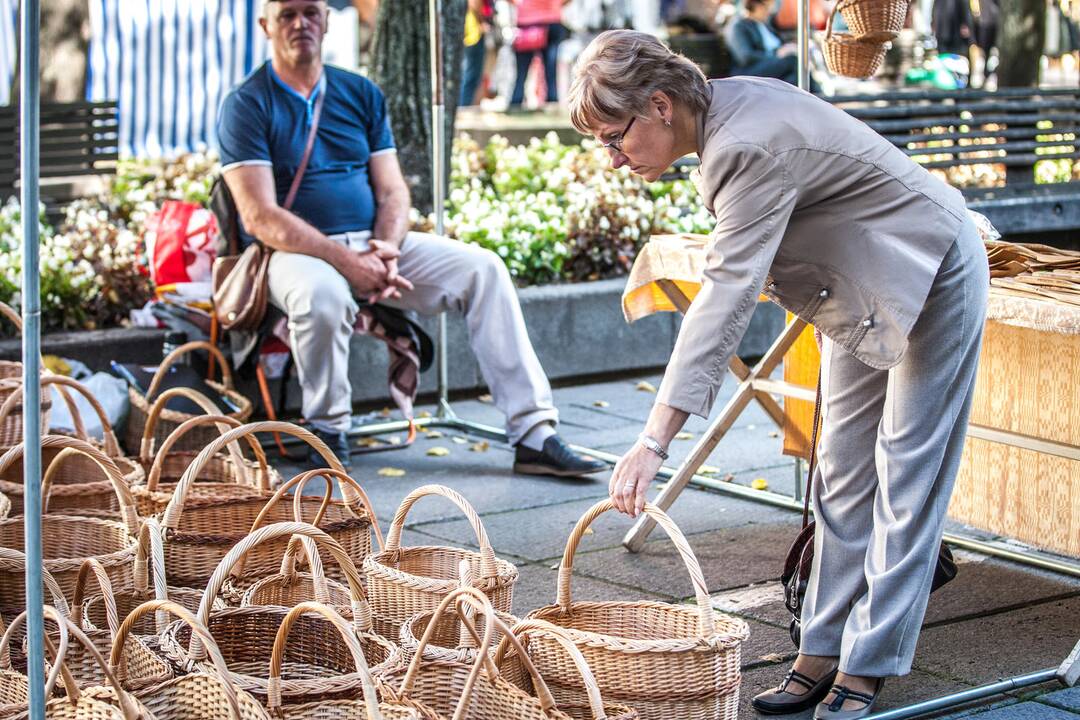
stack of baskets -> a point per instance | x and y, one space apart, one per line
874 24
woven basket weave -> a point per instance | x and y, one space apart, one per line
852 56
11 374
170 419
5 506
404 581
872 19
289 587
664 660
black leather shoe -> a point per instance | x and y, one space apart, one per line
555 459
833 710
779 701
338 444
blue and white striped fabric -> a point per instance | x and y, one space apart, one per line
169 63
9 32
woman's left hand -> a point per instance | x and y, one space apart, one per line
631 478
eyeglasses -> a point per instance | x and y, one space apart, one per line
616 144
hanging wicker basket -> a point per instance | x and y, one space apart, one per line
852 56
874 19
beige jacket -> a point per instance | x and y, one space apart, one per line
820 213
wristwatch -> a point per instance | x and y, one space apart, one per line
652 444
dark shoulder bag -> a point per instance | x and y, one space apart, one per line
800 556
240 279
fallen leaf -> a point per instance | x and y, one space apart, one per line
774 433
708 470
432 434
773 657
438 451
424 414
394 440
391 472
481 446
727 478
460 440
485 398
646 387
385 412
684 436
759 484
600 403
369 442
588 531
553 567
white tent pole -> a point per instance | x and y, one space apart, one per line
29 95
438 142
804 46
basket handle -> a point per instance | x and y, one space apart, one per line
14 317
552 632
93 566
13 401
116 657
360 608
151 550
59 668
315 566
300 482
277 657
18 560
175 508
110 443
706 619
128 513
488 569
171 358
224 424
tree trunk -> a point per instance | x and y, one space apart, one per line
1021 34
402 68
65 44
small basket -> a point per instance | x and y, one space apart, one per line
14 657
225 476
199 532
68 540
666 661
198 695
246 635
874 19
11 374
171 419
853 56
405 581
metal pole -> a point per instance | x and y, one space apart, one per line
804 44
966 696
438 142
29 92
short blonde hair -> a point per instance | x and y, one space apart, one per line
618 73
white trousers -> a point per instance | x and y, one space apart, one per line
889 452
447 276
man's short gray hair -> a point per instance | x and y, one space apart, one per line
618 73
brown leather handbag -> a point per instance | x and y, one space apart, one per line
800 556
240 279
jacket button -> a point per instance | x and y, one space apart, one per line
868 322
824 293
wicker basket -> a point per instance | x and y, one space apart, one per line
227 475
302 699
15 655
664 660
5 506
79 478
289 587
99 613
11 374
853 56
405 581
246 635
452 689
171 419
200 533
874 19
581 706
109 703
198 695
68 540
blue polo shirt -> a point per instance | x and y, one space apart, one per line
265 122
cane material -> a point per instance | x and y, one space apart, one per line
290 587
14 657
5 506
171 419
852 56
664 660
405 581
870 19
11 373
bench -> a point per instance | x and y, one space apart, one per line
987 143
77 139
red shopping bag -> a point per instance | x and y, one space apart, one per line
181 238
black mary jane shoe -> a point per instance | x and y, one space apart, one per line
779 701
834 711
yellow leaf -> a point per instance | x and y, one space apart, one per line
601 403
385 412
759 484
773 657
684 436
708 470
485 398
424 414
368 442
460 440
432 434
646 387
391 472
438 451
588 531
481 446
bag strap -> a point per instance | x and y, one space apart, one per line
307 148
813 455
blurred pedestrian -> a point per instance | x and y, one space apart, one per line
539 32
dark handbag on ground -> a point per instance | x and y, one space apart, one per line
800 556
239 279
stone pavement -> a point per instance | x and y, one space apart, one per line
996 620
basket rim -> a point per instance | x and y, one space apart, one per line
373 566
176 536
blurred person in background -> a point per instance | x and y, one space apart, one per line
757 50
539 32
477 24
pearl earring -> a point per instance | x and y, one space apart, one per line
667 123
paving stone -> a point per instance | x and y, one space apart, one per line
763 602
1025 711
759 680
730 557
1067 699
536 588
541 534
1013 643
765 642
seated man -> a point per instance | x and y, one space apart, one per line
323 258
757 50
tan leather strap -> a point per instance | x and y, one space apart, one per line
307 148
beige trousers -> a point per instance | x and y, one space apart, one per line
447 276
